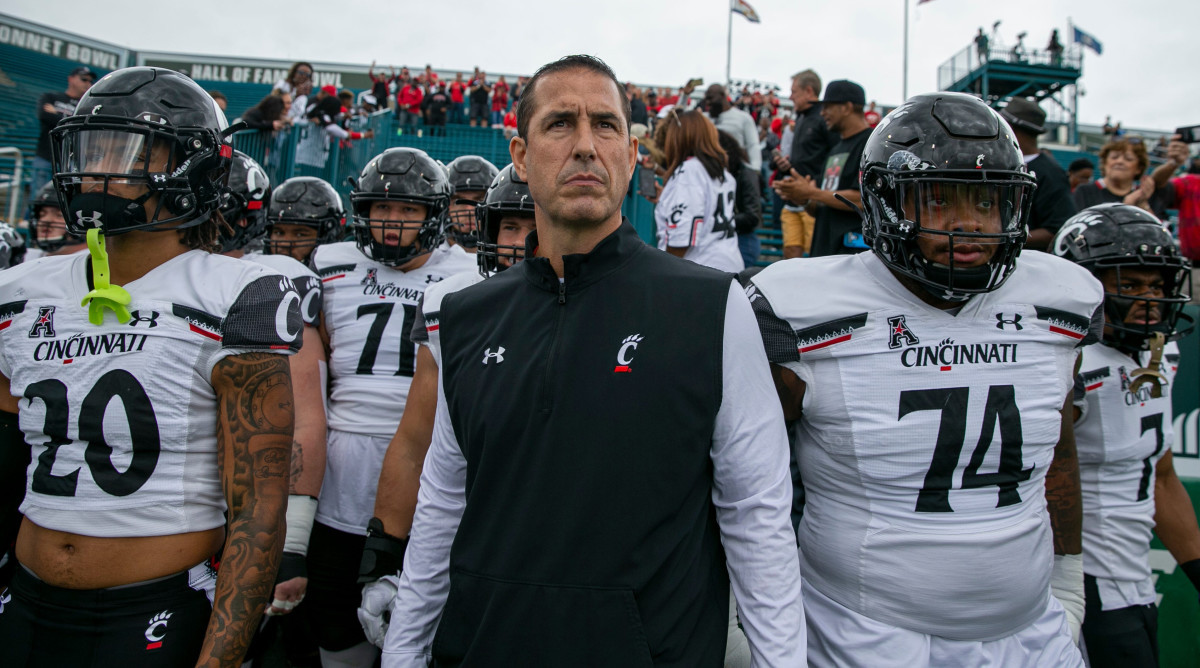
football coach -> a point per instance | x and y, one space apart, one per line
608 453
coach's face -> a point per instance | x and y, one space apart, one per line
578 156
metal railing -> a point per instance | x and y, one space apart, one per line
972 58
13 186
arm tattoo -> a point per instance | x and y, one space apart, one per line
254 436
297 466
1063 496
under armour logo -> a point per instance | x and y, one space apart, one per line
4 599
159 178
488 355
44 325
88 221
136 317
1015 321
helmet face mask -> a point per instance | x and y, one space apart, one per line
308 202
145 150
48 229
399 175
467 174
507 196
946 195
1122 245
244 203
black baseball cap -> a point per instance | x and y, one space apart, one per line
1024 114
844 91
82 71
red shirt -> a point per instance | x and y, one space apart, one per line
1187 198
409 98
510 119
499 96
456 91
872 118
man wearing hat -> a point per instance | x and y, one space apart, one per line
51 108
1052 202
838 227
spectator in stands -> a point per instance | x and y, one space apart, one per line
408 103
499 101
326 111
298 84
220 99
734 121
1052 202
872 115
51 108
1186 191
439 104
514 96
805 155
379 83
747 205
637 106
1055 49
1079 172
510 122
458 106
838 227
270 113
695 211
479 99
1123 162
1108 128
431 77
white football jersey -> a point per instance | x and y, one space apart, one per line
696 212
1120 439
369 311
926 435
426 330
308 286
122 418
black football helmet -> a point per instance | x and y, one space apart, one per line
141 133
42 234
400 175
1119 236
507 196
468 173
308 201
244 205
935 154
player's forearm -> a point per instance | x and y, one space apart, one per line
254 436
308 441
399 482
1064 499
828 198
1175 518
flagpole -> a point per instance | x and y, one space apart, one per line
728 43
904 89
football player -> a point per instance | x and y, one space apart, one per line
304 213
160 416
505 218
470 176
932 381
245 212
1123 428
372 288
48 230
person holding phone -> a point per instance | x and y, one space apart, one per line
1185 193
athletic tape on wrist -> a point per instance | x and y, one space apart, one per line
301 510
1192 570
292 565
382 555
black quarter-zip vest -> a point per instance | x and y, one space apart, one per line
585 410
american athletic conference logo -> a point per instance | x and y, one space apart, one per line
900 334
43 326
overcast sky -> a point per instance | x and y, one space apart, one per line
1141 79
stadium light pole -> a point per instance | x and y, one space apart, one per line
904 86
728 43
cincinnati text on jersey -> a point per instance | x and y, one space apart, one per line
392 290
947 354
88 346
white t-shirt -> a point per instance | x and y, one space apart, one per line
926 436
1120 438
122 417
695 212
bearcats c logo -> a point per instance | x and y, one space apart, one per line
625 353
281 318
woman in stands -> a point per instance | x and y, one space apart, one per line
1123 162
270 113
695 212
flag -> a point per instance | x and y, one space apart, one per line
921 2
742 7
1087 40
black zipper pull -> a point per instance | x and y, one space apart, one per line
562 292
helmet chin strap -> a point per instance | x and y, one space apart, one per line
103 295
1150 372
